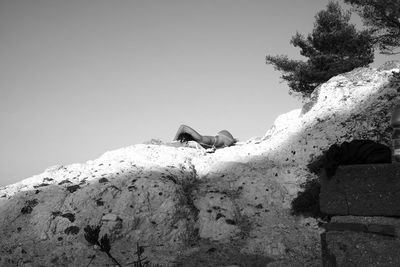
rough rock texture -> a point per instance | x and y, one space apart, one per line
189 208
42 218
354 105
359 240
350 248
387 226
364 190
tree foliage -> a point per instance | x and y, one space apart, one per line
333 47
383 19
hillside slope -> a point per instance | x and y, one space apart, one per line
186 207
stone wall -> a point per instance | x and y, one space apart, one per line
364 229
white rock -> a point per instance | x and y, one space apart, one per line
165 198
110 217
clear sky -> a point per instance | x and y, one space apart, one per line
81 77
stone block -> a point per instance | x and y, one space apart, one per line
377 225
347 248
364 190
358 241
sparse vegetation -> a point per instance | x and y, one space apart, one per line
154 141
141 260
187 186
92 236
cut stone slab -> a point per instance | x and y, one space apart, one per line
364 190
358 241
374 225
388 230
349 248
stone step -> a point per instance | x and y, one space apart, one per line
361 241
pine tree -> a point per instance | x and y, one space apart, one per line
333 47
383 19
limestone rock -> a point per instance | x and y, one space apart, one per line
177 205
354 105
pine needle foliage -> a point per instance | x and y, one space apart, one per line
335 46
382 17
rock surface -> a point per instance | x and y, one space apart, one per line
183 206
359 240
364 190
350 248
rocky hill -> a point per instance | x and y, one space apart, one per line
185 207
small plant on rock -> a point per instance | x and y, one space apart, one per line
92 236
142 260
